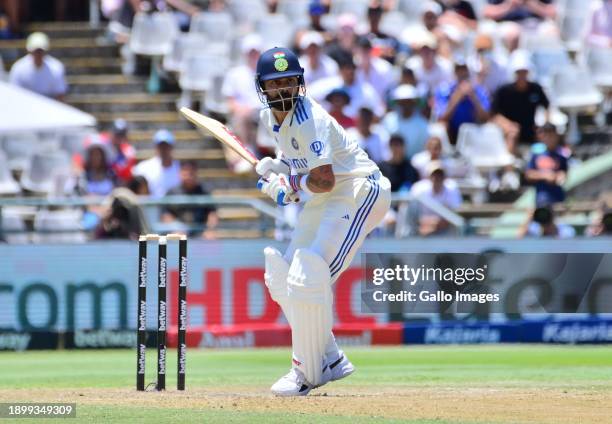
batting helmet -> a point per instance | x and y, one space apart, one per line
278 62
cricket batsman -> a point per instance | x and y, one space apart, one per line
346 198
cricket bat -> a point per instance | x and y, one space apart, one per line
221 133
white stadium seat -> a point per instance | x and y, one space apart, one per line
47 173
216 26
153 34
296 10
275 30
483 146
199 71
184 45
359 8
599 61
14 229
8 185
19 148
62 226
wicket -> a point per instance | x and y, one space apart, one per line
162 318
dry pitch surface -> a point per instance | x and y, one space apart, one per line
449 384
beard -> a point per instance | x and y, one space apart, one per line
282 105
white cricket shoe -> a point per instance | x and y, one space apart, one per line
337 369
292 384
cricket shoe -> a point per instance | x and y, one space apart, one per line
337 369
292 384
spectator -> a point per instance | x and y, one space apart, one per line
338 99
398 168
602 224
384 45
243 101
432 152
514 104
460 102
345 38
191 216
485 66
39 71
139 186
600 25
162 170
460 14
376 71
317 65
361 93
316 9
371 137
123 156
440 189
542 224
122 218
548 170
97 177
519 10
407 120
430 70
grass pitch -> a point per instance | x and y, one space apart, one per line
443 385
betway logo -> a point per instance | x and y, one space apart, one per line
365 338
142 316
143 272
435 335
161 362
577 332
14 341
183 316
246 339
141 358
162 316
162 272
104 338
182 359
183 272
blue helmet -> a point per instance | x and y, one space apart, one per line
276 63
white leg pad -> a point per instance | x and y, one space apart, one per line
275 277
310 297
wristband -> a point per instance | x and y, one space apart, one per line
304 185
299 182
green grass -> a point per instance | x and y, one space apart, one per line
501 366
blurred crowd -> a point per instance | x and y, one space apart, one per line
454 99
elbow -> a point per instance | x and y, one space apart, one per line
321 180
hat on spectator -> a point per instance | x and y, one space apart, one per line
163 136
431 7
435 166
520 61
251 42
310 38
316 8
482 42
37 41
120 126
405 92
339 91
347 20
425 39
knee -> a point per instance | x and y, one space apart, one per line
276 271
309 278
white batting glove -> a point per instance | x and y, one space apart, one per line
267 165
277 187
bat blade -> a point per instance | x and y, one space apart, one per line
220 132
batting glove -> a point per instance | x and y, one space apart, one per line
277 187
267 166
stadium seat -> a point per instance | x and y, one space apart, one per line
216 26
246 11
14 229
412 9
215 100
8 186
573 30
74 142
19 148
573 91
393 23
184 45
153 34
599 61
47 173
198 71
63 226
359 8
275 30
483 146
546 60
295 10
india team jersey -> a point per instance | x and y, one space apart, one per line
309 137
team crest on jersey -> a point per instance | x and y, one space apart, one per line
294 143
317 147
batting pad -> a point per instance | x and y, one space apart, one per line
310 297
275 277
